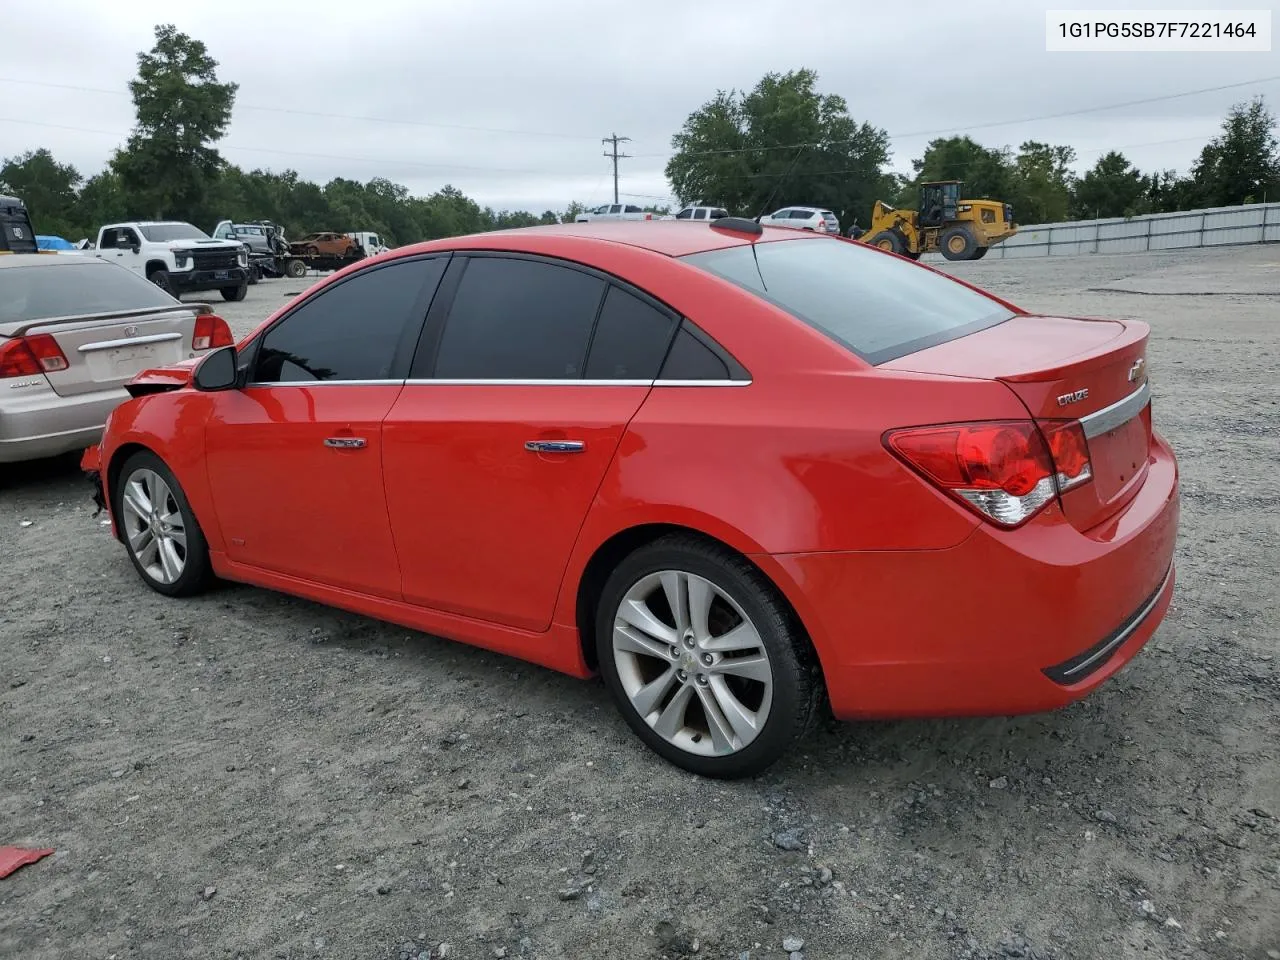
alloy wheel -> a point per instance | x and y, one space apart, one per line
692 664
154 526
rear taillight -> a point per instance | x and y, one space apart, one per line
211 331
1006 471
31 356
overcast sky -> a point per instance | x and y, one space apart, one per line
508 99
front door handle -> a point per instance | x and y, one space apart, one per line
345 443
554 446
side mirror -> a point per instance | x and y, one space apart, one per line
217 371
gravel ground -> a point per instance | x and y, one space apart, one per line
246 775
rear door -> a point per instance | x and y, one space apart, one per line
150 328
520 393
295 458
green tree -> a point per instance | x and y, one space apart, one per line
47 187
1112 187
987 172
1241 165
1042 182
743 151
169 164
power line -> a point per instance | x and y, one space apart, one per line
322 114
616 156
975 126
296 153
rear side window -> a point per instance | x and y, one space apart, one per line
67 290
691 359
631 339
519 320
879 307
350 331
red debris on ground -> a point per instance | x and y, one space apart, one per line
11 858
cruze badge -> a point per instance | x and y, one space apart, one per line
1138 369
1074 397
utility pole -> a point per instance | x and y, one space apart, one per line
615 156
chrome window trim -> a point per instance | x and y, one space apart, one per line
479 382
1119 413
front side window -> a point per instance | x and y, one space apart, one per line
878 306
517 319
349 331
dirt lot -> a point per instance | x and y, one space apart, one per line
246 775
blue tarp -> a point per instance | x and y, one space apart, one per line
53 243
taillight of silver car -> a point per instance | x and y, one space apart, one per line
210 333
31 356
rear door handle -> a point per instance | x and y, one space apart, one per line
554 446
345 443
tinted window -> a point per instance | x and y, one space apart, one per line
780 215
519 320
633 209
879 307
66 290
685 214
631 339
349 331
616 208
717 213
691 359
700 214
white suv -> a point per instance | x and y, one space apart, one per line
803 218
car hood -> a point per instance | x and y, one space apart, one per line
200 244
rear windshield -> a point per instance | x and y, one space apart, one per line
164 232
38 293
878 306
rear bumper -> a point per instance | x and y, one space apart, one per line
1007 622
43 424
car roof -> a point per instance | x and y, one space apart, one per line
672 238
50 260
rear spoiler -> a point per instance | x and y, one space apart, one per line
22 326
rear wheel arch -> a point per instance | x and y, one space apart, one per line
612 551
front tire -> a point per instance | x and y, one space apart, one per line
703 658
162 280
159 529
235 294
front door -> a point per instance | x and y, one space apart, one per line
496 448
295 458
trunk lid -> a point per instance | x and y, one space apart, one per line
1089 370
104 352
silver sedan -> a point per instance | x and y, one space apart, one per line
73 331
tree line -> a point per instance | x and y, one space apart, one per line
781 143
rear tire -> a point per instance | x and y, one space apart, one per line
958 243
159 529
295 269
736 651
235 294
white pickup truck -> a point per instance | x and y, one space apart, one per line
615 211
177 257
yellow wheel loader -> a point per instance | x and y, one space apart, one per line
959 229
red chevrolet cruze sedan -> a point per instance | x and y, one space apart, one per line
730 468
